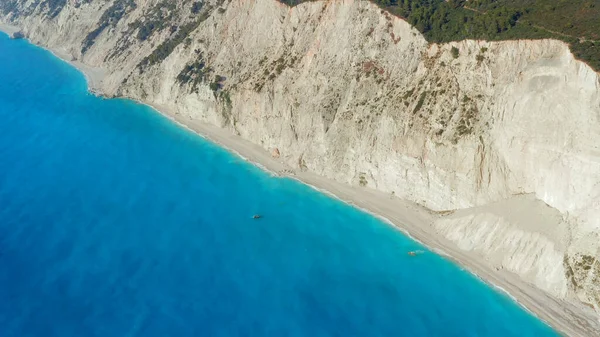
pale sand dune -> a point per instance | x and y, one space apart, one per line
408 217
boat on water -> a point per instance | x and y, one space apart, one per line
415 252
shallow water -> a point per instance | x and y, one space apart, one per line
116 222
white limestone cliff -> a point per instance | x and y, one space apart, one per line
507 134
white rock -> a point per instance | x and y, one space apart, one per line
357 96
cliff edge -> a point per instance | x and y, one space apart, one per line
501 138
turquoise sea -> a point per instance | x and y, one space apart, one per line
116 222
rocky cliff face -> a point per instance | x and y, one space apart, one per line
505 133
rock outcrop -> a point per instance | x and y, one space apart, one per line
505 134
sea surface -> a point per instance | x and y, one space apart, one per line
116 222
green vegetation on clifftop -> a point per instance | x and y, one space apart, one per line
576 22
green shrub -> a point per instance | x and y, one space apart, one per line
420 102
54 7
166 48
454 51
109 18
197 7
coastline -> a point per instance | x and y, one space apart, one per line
411 219
93 75
8 29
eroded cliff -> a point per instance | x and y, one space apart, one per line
505 133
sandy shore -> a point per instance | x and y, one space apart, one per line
413 220
8 29
94 76
408 217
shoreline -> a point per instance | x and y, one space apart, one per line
410 218
93 75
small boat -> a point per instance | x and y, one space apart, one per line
415 252
256 216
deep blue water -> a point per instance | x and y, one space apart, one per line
116 222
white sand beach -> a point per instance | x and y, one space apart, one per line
8 29
415 221
93 75
408 217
